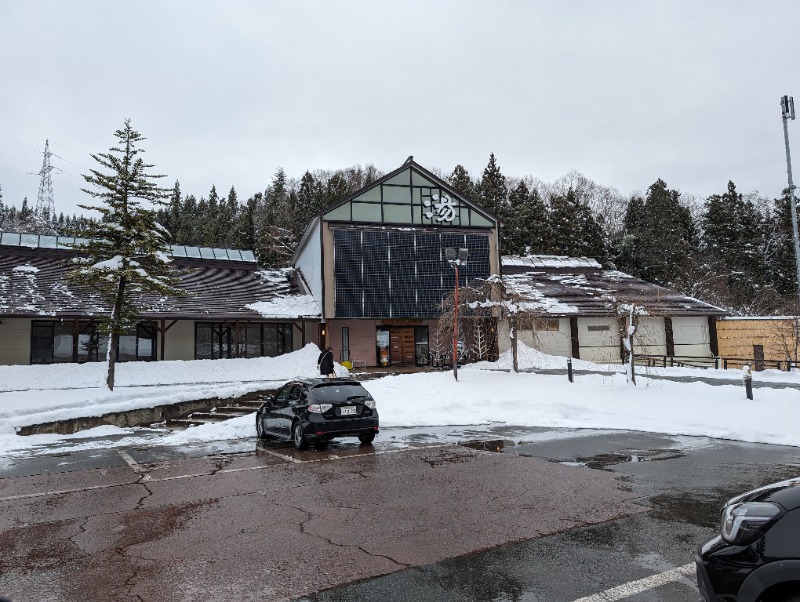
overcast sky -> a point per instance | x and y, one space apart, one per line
624 92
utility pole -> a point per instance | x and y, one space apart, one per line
45 206
456 258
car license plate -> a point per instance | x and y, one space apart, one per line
347 410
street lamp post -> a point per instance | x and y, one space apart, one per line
455 259
787 112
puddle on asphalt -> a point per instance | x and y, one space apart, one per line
605 461
496 445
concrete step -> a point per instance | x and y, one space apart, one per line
213 416
240 408
184 423
234 412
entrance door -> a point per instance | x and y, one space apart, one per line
758 357
401 345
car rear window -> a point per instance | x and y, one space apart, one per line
337 392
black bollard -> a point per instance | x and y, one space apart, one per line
747 377
569 369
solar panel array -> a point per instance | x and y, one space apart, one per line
45 241
400 274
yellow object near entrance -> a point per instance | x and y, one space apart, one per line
348 365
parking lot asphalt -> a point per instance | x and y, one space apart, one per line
557 515
647 557
279 524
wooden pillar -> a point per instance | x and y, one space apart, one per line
712 335
162 331
670 336
75 332
576 344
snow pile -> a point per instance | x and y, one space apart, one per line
529 358
483 395
298 364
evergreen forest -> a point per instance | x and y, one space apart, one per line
732 250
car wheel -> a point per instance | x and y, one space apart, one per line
298 438
367 437
260 427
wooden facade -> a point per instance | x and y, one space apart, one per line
764 342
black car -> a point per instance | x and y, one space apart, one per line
317 410
756 556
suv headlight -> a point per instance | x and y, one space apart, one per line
743 523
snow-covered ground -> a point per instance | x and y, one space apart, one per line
483 395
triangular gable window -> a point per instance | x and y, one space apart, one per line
409 198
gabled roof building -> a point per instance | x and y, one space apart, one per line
376 264
233 308
581 307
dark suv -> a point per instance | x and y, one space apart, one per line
756 556
317 410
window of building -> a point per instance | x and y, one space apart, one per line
598 327
548 325
421 345
345 344
215 340
92 344
138 347
211 341
53 342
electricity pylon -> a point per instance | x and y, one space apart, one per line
45 206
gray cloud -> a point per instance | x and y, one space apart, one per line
622 91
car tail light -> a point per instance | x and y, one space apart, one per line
744 523
319 408
370 403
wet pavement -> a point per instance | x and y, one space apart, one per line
682 481
512 514
275 523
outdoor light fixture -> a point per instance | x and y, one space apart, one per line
456 259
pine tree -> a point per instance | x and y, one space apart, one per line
228 207
628 252
275 240
212 235
493 194
574 230
126 253
188 223
525 227
732 235
462 182
310 201
335 190
781 262
662 235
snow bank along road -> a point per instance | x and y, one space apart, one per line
277 524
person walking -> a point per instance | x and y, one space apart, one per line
325 363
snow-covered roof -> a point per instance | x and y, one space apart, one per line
599 293
514 262
32 284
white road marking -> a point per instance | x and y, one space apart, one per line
637 587
24 496
137 468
